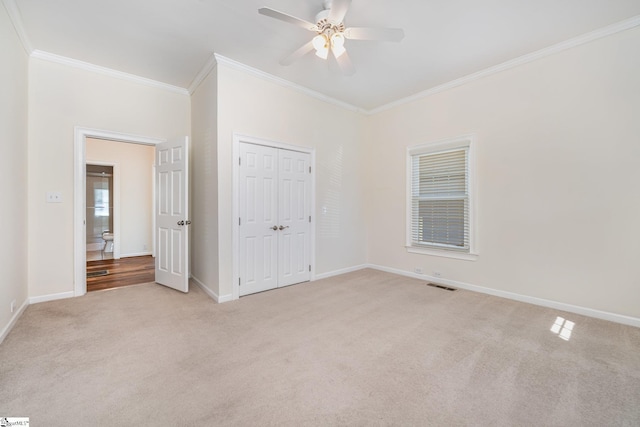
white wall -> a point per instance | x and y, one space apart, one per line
135 209
204 183
61 97
252 106
558 144
13 171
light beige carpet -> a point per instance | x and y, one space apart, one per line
365 348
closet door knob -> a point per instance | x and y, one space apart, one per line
274 228
180 222
283 227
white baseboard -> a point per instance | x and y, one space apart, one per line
225 298
14 319
135 254
51 297
206 290
211 293
341 271
590 312
95 246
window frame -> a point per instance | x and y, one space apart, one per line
467 142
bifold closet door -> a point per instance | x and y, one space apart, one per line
274 224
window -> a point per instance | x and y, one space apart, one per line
101 201
440 199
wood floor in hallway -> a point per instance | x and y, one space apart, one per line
120 272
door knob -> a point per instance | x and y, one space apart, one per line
283 227
180 222
188 222
274 228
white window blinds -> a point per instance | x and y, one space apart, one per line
440 199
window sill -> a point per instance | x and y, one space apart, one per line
441 253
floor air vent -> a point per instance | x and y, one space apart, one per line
97 273
446 288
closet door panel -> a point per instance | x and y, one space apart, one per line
258 187
294 210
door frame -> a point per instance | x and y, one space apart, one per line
235 229
116 202
79 194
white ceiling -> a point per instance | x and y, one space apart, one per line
170 40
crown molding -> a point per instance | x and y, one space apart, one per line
524 59
16 20
282 82
207 68
46 56
521 60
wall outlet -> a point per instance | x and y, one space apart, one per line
13 305
437 274
144 247
418 270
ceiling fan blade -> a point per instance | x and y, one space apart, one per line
299 53
344 62
287 18
382 34
338 11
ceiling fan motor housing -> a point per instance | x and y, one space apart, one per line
326 27
322 18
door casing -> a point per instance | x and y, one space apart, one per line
235 235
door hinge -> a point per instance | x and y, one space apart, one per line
239 221
309 218
239 161
309 169
309 267
239 281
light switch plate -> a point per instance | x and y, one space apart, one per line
54 197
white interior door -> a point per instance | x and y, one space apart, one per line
274 208
258 218
294 204
172 220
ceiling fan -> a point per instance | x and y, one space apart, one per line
331 33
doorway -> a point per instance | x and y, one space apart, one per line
122 252
274 196
171 268
119 213
99 215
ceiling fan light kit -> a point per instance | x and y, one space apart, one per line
321 45
324 42
331 33
337 44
